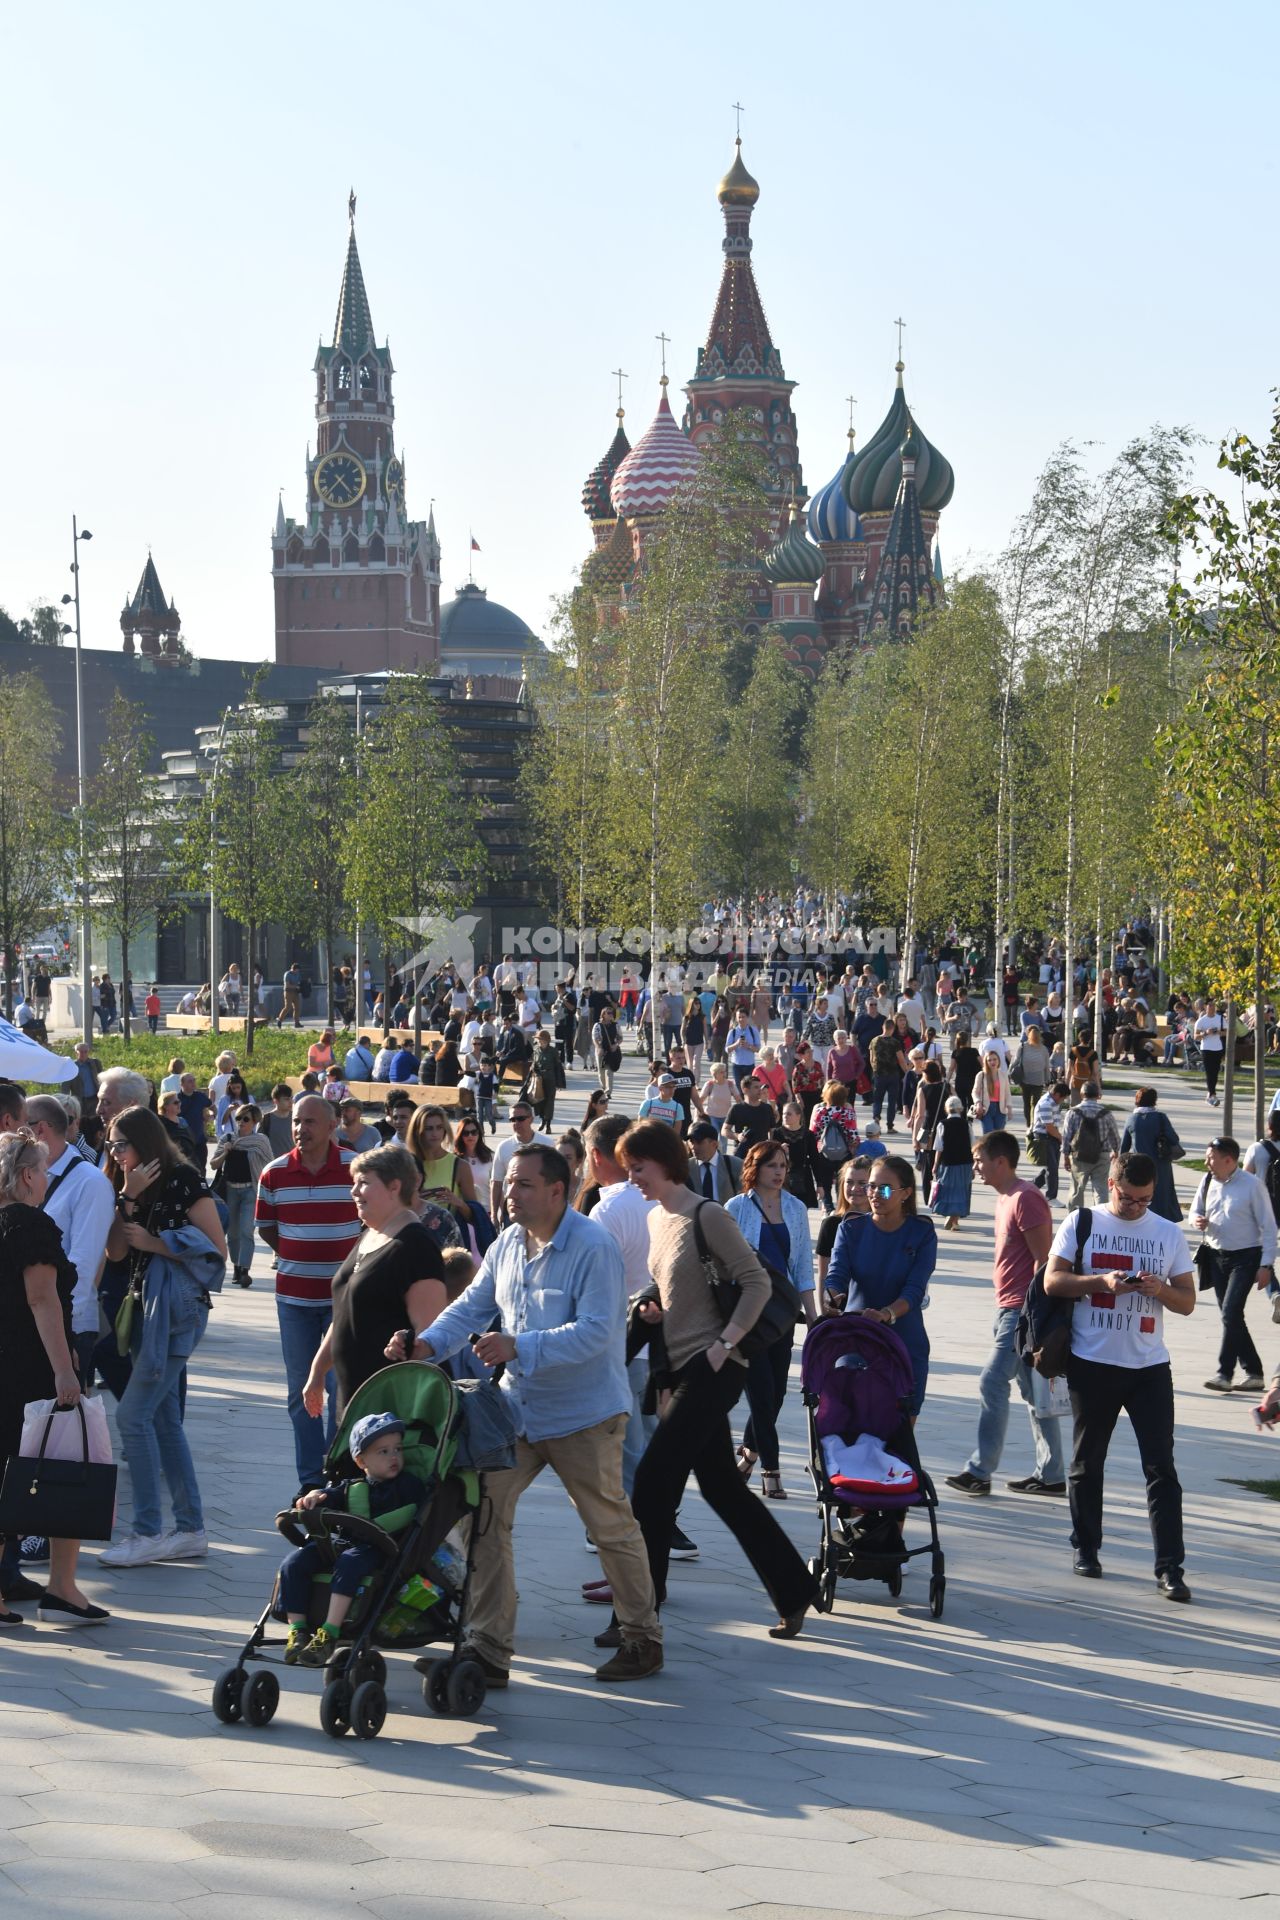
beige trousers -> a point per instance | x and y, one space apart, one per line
589 1467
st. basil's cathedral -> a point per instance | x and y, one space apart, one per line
867 561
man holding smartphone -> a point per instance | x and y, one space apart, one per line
1134 1265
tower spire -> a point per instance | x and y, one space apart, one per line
353 326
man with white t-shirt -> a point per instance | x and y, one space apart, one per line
522 1135
1134 1265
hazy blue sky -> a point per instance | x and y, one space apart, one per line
1073 208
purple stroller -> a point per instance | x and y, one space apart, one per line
856 1379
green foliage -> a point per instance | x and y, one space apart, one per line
41 627
412 852
564 775
751 808
130 841
36 834
276 1055
320 799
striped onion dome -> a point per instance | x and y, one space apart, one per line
607 570
595 493
661 458
795 560
830 515
871 483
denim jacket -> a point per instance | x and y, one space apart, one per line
175 1299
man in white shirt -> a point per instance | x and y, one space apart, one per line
1132 1265
912 1005
1233 1210
81 1202
522 1135
187 1004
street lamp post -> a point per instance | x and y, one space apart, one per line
86 997
213 899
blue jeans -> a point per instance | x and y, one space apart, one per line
151 1430
1002 1369
993 1119
640 1426
240 1201
302 1329
885 1085
352 1565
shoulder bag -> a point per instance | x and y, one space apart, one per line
779 1314
58 1499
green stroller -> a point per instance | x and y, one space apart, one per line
418 1594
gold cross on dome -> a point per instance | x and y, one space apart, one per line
620 376
665 340
901 326
739 110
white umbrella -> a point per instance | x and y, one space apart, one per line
23 1059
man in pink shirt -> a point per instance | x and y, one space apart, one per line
1024 1233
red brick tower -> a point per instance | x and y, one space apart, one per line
357 584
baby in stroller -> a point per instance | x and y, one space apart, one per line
384 1492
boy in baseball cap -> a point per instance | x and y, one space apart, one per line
384 1492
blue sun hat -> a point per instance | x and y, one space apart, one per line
371 1428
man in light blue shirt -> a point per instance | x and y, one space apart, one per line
554 1280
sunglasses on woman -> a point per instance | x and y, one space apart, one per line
885 1191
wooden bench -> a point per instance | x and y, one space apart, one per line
201 1023
373 1093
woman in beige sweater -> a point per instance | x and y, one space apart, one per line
706 1375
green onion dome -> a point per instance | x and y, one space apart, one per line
871 483
795 561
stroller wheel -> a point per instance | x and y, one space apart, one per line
466 1687
374 1667
335 1709
261 1698
368 1710
435 1686
228 1696
937 1592
894 1582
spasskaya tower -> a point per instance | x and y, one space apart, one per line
357 583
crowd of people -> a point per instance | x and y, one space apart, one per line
596 1266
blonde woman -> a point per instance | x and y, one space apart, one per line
718 1095
991 1093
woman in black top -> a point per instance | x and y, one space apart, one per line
36 1284
795 1136
448 1068
966 1065
392 1278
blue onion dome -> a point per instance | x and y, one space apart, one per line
795 560
830 515
871 483
596 503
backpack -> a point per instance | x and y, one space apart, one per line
1043 1334
1087 1145
1271 1179
833 1142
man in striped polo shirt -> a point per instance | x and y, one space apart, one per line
307 1217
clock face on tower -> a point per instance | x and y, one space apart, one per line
340 479
395 481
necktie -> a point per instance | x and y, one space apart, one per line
708 1181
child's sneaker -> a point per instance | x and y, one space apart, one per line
318 1650
294 1644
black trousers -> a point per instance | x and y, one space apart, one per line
766 1390
1233 1277
1099 1395
693 1436
1212 1058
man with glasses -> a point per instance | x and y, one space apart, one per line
522 1135
1133 1264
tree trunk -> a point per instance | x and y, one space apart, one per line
326 947
1259 1032
248 985
125 1026
1097 1000
1229 1066
1069 896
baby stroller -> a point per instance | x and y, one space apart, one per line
856 1381
418 1595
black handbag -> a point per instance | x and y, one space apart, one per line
58 1499
780 1312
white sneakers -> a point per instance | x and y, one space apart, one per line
144 1549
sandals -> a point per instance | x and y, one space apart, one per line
771 1485
746 1462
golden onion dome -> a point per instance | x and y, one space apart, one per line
738 189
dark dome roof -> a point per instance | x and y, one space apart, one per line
474 622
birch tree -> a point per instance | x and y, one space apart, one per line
129 838
36 832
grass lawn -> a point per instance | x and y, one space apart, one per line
1269 1489
275 1054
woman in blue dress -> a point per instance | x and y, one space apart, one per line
883 1262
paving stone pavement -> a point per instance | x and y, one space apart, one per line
1050 1750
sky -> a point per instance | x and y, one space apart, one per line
1073 209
